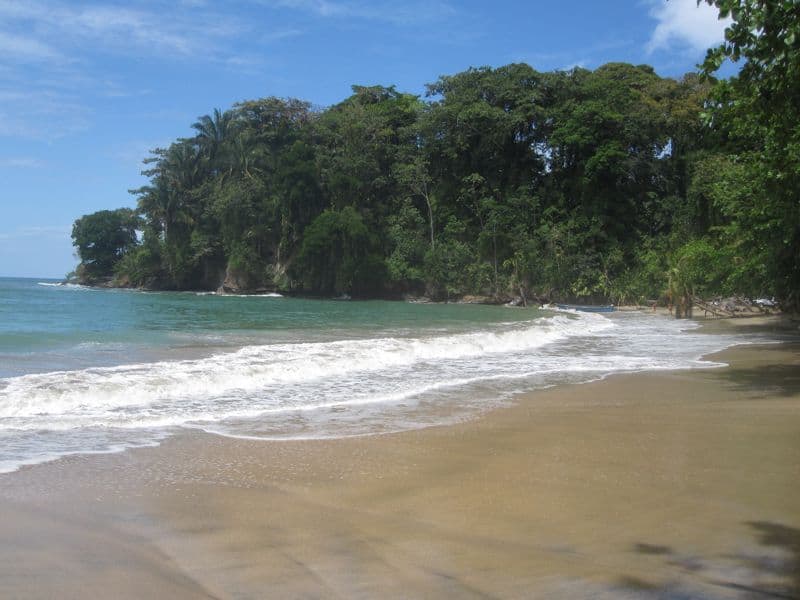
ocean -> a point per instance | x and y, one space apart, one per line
87 370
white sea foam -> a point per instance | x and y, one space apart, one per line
63 285
333 388
106 390
226 295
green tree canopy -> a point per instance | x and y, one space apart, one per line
613 184
759 112
102 239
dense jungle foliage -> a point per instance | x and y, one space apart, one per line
607 185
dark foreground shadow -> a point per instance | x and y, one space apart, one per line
772 572
786 539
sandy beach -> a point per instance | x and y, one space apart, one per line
680 484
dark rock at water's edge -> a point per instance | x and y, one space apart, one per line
238 281
479 299
234 284
233 280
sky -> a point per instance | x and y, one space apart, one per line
87 88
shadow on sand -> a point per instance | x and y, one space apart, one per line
767 378
772 571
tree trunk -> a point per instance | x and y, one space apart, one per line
430 217
494 256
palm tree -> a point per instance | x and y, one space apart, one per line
154 203
182 166
213 132
680 290
243 155
167 201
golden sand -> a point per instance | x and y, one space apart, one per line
672 485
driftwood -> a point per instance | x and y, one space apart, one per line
728 308
715 310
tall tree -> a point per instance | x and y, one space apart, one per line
759 110
213 131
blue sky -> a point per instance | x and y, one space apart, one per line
87 88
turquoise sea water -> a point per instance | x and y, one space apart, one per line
46 326
89 370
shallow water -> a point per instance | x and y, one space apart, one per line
88 370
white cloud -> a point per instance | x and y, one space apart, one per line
134 151
25 49
687 24
51 231
52 54
20 163
398 13
281 34
185 30
323 8
36 112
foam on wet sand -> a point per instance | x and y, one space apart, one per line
655 485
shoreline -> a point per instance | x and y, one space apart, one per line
773 325
623 487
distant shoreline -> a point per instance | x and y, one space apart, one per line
504 300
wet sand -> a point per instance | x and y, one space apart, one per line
660 485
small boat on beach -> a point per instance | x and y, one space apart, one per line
587 308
